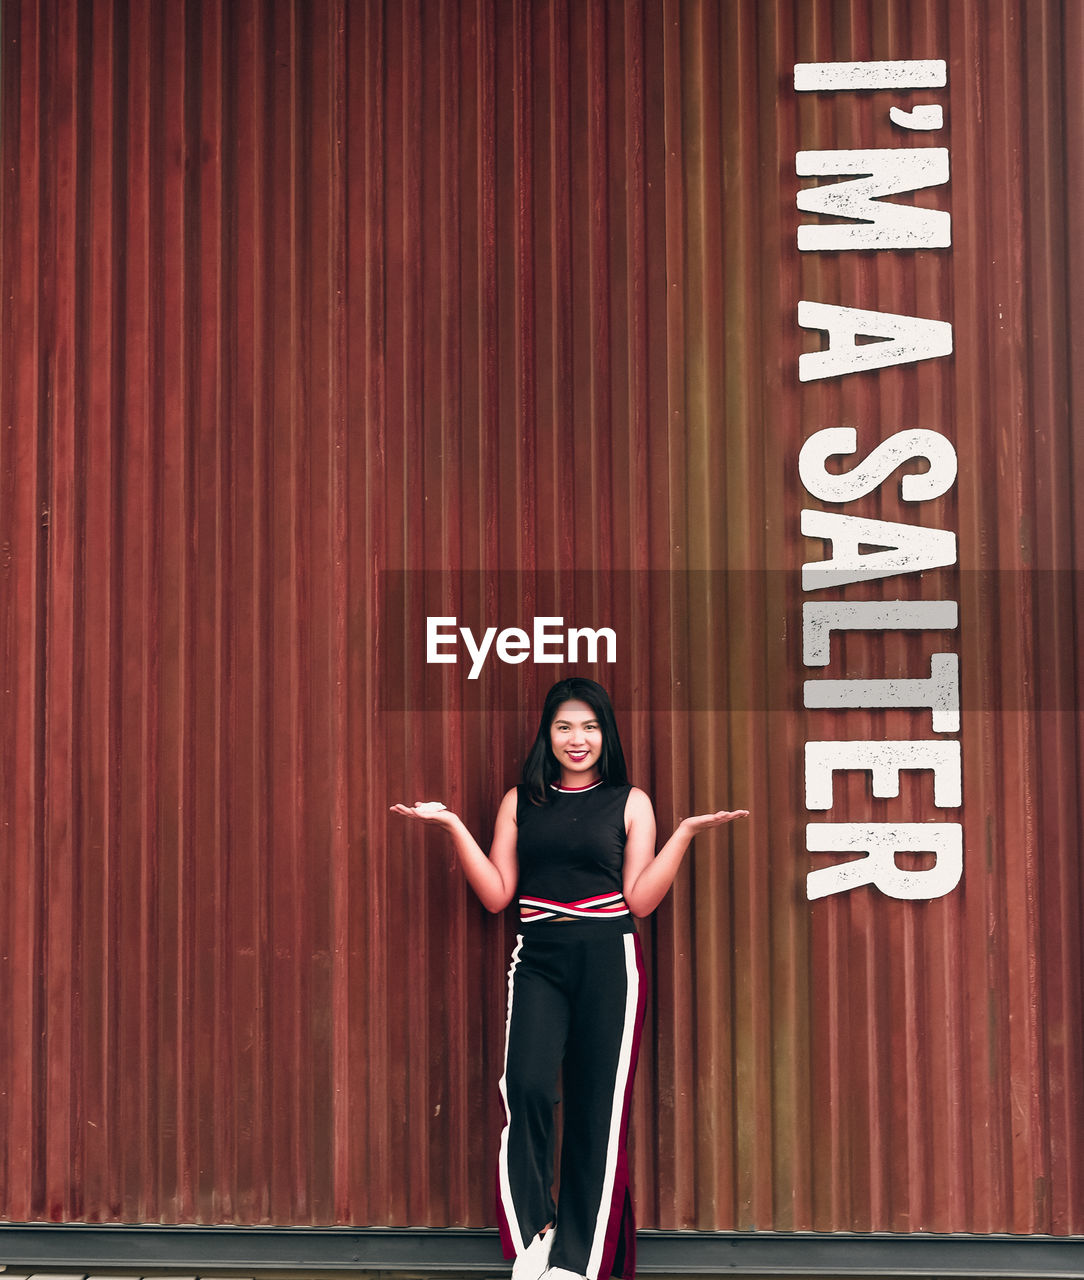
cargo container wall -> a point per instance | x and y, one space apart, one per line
321 320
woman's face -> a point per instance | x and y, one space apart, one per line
576 741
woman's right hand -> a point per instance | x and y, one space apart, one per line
428 811
492 878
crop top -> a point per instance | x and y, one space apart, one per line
571 853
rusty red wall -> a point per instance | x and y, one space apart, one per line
322 318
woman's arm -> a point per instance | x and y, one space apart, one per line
492 878
647 877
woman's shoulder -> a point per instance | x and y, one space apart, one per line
638 801
509 806
519 799
624 791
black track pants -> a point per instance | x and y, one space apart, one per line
575 996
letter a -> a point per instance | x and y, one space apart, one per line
906 340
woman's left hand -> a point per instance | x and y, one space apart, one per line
704 821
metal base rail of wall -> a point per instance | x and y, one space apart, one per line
77 1251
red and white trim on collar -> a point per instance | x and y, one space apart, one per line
590 786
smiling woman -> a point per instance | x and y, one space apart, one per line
576 842
576 742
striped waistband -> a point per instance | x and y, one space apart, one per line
604 907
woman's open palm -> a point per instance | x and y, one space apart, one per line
705 821
427 811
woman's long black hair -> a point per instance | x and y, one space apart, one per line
541 770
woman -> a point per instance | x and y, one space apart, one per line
576 842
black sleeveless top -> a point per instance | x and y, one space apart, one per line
571 853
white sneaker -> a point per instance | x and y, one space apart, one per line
534 1260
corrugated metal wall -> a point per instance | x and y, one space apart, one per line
298 297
